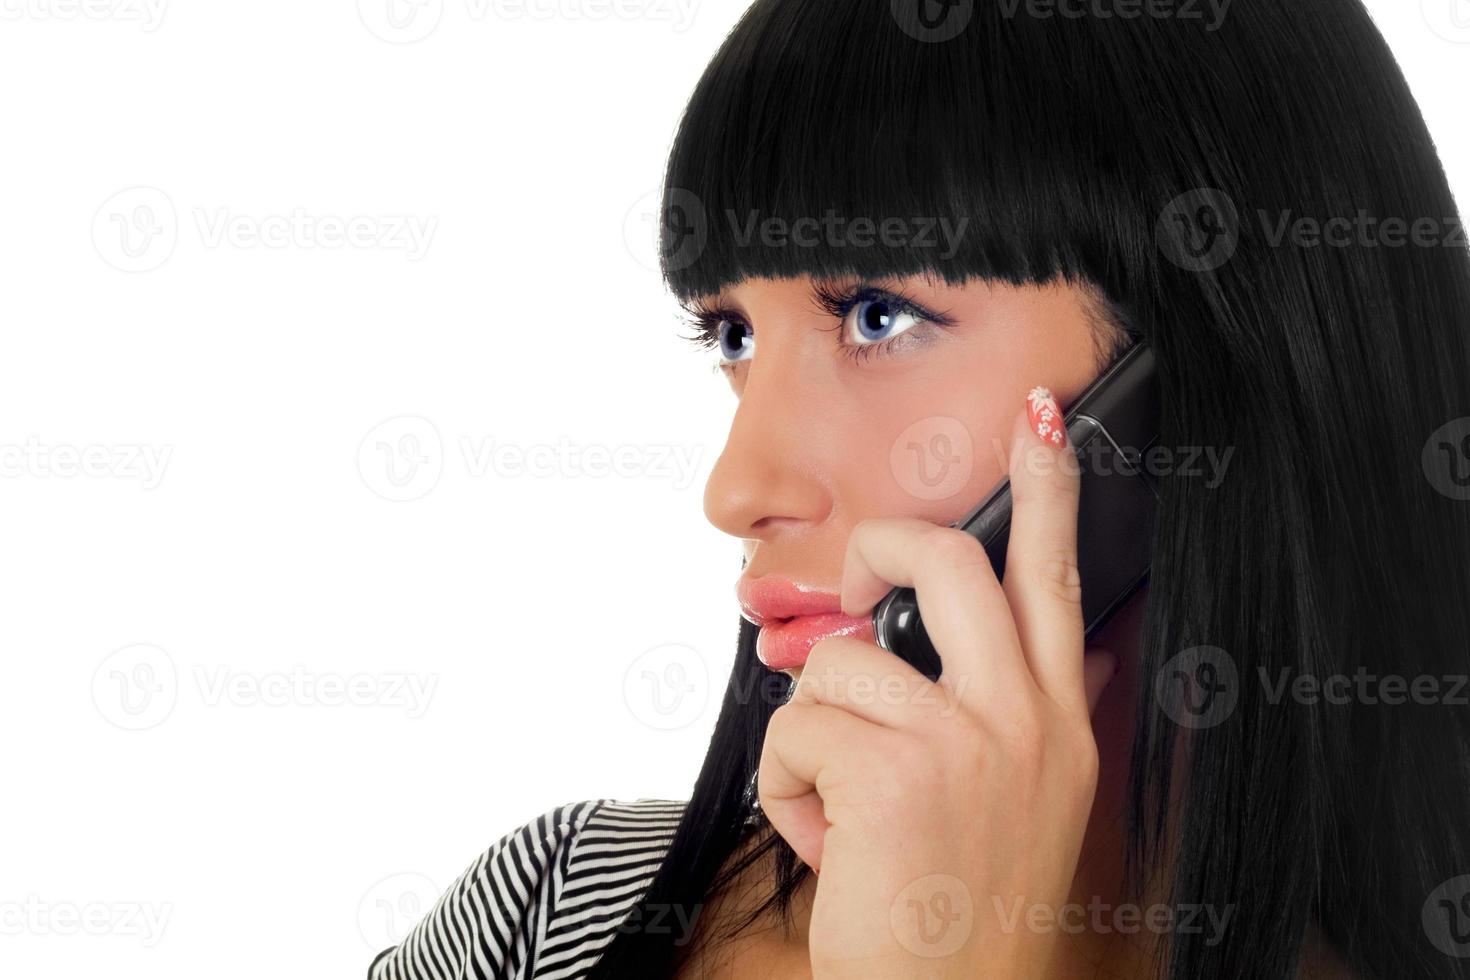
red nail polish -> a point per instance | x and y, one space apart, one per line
1046 417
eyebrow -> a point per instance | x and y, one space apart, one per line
697 305
721 300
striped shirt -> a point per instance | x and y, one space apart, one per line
543 901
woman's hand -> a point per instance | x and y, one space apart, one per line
940 814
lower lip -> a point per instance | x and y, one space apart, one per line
785 645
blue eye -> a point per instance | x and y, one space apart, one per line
737 341
873 320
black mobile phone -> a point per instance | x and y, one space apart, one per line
1112 424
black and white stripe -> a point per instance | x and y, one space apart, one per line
543 902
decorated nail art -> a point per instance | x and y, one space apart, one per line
1046 417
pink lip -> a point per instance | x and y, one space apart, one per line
793 618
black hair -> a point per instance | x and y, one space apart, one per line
1154 159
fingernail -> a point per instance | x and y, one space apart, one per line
1046 417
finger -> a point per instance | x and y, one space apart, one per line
807 749
1041 580
865 680
962 604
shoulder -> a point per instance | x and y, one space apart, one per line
546 896
609 866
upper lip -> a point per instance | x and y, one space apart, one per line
772 599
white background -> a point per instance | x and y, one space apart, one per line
247 691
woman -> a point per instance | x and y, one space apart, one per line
898 222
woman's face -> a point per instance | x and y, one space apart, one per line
871 399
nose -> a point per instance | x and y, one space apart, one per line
767 480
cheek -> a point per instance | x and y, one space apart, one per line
928 450
931 440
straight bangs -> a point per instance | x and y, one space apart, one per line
833 139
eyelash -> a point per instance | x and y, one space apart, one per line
838 303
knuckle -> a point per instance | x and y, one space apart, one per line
1059 577
864 528
973 749
779 722
1021 736
952 547
1085 763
